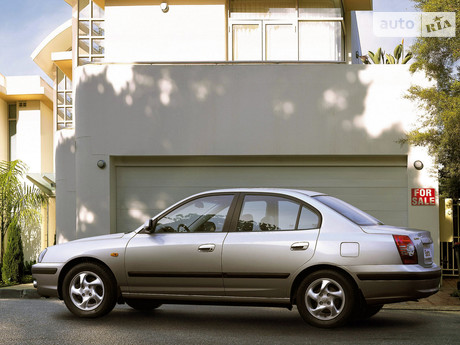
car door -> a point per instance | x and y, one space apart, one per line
271 237
183 253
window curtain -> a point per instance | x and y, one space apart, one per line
320 41
280 42
315 9
263 9
247 43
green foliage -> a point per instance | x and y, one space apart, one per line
439 126
13 259
381 57
19 202
28 267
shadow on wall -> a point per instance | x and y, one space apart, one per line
233 110
65 186
31 242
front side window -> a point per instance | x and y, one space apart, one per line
286 30
272 213
205 214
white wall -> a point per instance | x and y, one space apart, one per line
65 185
189 31
28 136
222 110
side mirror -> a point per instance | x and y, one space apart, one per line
149 226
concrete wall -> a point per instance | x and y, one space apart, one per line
46 139
28 142
65 186
190 31
229 110
220 110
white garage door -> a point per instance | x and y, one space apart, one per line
143 191
379 188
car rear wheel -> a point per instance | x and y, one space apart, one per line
142 304
89 290
326 299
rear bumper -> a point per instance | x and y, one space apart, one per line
46 279
408 284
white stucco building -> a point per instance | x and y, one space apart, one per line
176 97
26 133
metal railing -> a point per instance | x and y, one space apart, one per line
448 261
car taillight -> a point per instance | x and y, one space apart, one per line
406 249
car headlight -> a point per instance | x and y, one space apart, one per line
42 254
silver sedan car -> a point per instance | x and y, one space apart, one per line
259 247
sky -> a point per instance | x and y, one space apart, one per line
23 25
371 42
26 23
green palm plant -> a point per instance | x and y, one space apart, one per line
380 57
19 202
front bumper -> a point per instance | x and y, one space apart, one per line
46 278
410 283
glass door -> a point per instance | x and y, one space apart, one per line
263 40
246 41
280 41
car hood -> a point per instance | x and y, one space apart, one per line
98 247
99 238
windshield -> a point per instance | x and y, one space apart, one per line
354 214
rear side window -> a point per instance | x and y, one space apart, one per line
354 214
273 213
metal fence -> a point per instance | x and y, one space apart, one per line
448 261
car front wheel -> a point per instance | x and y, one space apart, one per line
89 290
326 299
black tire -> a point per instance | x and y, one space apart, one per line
89 290
326 299
142 304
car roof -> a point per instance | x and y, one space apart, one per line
288 191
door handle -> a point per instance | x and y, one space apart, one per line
300 246
207 247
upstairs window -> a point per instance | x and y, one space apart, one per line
64 101
286 30
91 32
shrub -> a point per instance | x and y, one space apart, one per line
28 267
13 259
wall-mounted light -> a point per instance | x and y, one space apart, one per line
101 164
164 7
418 165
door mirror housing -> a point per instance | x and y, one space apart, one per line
149 226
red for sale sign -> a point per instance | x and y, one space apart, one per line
423 197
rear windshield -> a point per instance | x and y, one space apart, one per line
354 214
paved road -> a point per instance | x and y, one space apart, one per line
48 322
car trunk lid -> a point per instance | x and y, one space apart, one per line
421 239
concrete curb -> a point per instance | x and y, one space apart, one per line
6 293
422 308
26 291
